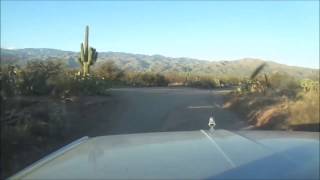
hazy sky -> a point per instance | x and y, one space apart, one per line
286 32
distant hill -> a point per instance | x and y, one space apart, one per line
158 63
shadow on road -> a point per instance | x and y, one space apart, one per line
138 110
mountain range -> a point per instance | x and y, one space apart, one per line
158 63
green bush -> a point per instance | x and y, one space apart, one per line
283 81
8 84
145 79
79 85
174 77
50 78
309 85
39 77
305 109
108 70
204 83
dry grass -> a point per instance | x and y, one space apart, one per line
277 112
305 110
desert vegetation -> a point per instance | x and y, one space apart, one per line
36 94
277 101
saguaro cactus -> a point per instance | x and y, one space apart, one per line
88 55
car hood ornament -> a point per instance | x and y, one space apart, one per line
211 124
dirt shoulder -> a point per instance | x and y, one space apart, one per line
276 112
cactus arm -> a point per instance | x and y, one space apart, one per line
96 56
92 56
80 62
86 44
82 54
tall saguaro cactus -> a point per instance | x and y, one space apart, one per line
88 55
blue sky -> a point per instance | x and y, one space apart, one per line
286 32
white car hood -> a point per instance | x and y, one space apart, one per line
184 155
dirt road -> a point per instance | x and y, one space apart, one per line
137 110
127 110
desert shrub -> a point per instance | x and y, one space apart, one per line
38 77
145 79
24 130
305 109
51 78
203 83
150 79
252 86
8 85
231 80
108 70
173 77
283 81
309 85
78 85
90 86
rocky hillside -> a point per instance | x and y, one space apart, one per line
158 63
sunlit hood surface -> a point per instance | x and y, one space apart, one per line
186 155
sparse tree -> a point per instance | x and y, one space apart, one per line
108 70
